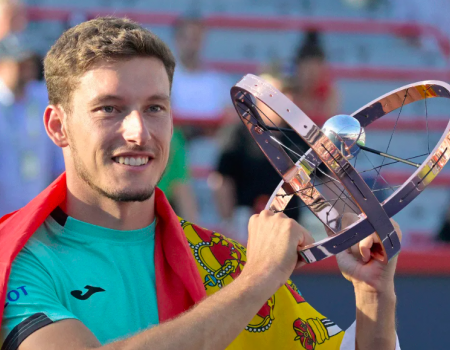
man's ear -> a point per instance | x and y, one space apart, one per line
54 117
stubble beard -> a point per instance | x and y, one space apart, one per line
122 196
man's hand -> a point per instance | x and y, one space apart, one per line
272 248
374 290
361 264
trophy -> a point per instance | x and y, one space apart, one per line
325 176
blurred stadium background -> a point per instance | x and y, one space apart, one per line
370 46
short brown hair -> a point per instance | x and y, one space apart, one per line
101 39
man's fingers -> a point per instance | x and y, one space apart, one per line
369 247
365 246
307 239
376 247
253 218
354 250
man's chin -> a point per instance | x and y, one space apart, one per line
129 196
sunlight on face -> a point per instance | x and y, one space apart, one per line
120 128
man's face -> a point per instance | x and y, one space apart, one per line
189 41
120 127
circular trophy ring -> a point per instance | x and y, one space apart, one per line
375 216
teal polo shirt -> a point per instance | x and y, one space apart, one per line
71 269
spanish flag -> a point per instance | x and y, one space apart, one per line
191 263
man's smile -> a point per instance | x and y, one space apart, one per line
132 161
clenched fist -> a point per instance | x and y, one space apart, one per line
273 242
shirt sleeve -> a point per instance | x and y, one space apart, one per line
31 301
348 342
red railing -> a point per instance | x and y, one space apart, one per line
282 23
357 72
430 261
272 23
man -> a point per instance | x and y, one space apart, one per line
109 266
199 94
29 161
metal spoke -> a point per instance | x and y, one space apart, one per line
335 199
392 134
429 171
364 148
275 126
360 172
339 198
272 137
316 186
281 143
284 146
344 170
378 172
380 166
325 201
354 166
346 196
374 151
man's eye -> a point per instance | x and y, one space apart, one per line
155 108
107 109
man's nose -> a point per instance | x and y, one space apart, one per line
135 130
